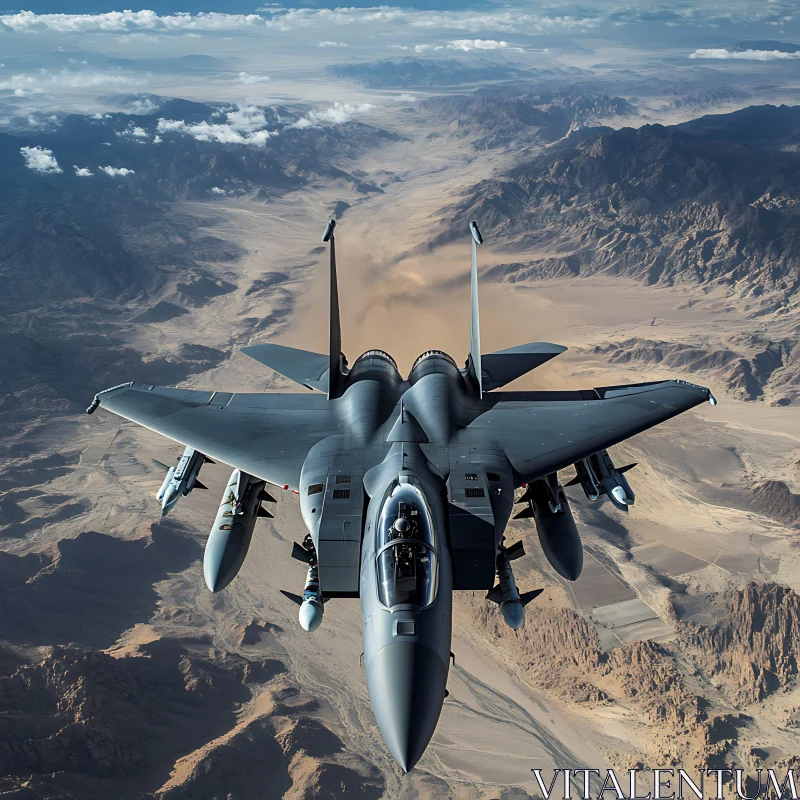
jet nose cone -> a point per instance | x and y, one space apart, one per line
407 683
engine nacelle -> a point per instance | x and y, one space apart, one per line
232 532
558 533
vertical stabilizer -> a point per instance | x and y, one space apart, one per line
335 340
475 326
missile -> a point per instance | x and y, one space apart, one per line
476 234
505 594
598 475
558 534
180 479
311 603
232 532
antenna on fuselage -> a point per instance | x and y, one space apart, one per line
337 359
474 363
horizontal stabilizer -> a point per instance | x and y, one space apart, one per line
526 513
266 497
295 598
505 366
161 466
526 597
628 467
198 485
301 366
208 460
299 553
517 550
494 595
262 512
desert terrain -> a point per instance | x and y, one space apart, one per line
122 676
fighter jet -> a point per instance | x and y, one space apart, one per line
406 485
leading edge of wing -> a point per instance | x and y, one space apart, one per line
267 435
542 432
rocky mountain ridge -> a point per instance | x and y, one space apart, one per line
749 367
705 202
500 119
83 724
748 655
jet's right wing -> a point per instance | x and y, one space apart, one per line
542 432
266 435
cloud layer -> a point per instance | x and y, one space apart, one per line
497 23
721 53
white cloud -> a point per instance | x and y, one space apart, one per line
82 172
398 47
405 98
143 105
40 159
134 132
246 125
333 44
337 114
117 171
744 55
217 190
467 45
421 48
247 79
157 139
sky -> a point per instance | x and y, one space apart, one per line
52 57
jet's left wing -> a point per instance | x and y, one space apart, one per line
265 435
542 432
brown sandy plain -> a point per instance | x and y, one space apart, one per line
690 539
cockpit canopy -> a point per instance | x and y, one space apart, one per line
407 564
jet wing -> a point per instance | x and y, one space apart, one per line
266 435
541 432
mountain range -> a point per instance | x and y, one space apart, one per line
715 200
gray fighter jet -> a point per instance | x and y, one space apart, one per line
406 485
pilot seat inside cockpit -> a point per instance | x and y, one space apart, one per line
407 564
